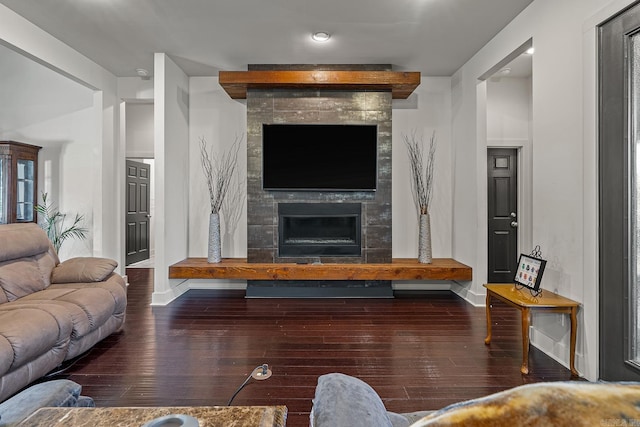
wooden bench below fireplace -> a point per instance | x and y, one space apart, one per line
398 269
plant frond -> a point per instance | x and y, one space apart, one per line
53 222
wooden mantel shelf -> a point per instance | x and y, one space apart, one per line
400 83
398 269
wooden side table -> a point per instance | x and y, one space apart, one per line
525 302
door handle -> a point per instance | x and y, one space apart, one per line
514 224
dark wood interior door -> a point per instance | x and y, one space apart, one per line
619 196
502 173
138 215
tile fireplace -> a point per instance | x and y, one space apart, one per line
319 229
372 243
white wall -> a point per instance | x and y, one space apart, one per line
218 119
564 196
65 169
426 111
509 123
135 89
137 133
95 126
137 136
55 113
508 109
139 130
171 149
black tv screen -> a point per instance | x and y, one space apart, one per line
319 157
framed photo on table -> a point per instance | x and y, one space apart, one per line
529 272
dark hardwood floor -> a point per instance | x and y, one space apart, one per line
419 352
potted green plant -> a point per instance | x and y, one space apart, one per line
54 223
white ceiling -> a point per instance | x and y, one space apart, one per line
435 37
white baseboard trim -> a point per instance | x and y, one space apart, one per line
558 351
164 298
477 300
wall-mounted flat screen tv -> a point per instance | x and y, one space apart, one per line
319 157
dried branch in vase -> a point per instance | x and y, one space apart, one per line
233 204
218 171
422 163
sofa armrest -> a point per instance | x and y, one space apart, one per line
344 401
56 393
83 270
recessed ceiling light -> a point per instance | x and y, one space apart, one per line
321 36
505 71
530 51
143 73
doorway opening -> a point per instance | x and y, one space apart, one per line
509 117
139 208
502 202
138 135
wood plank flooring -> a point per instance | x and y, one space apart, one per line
420 351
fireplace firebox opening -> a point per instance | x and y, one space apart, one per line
319 229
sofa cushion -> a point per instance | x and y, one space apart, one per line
21 277
363 408
114 284
22 240
545 404
31 332
26 275
6 355
83 269
88 308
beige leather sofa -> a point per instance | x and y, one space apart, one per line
50 311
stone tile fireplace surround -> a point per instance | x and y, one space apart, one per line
300 106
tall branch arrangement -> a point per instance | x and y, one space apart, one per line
422 160
218 171
232 205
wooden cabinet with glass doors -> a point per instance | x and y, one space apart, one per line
18 182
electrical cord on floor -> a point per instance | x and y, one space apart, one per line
62 368
259 373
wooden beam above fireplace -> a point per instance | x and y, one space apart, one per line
400 83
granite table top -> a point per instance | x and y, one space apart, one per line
207 416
